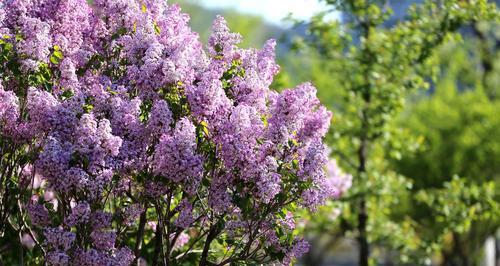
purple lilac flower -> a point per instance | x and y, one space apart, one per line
36 42
185 214
100 220
207 99
222 41
38 214
131 213
300 247
176 157
9 110
160 119
80 214
103 240
41 108
339 180
57 238
129 109
181 240
57 258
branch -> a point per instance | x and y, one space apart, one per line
181 257
140 233
204 255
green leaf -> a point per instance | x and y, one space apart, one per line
157 28
58 54
67 94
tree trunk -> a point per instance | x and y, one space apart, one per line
364 249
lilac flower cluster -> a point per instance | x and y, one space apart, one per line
130 122
340 181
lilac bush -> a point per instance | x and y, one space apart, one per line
124 139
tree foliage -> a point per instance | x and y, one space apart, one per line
373 68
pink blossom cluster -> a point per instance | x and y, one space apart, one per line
131 121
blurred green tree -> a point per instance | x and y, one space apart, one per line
460 126
371 69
